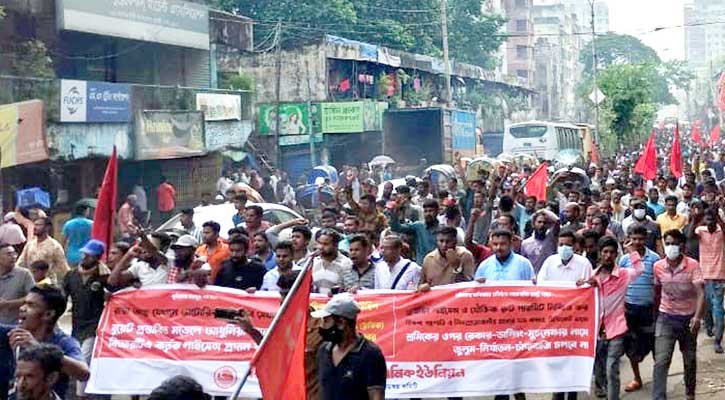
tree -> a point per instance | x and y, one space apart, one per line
410 25
616 49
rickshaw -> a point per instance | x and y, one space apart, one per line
439 174
575 175
480 168
320 173
309 197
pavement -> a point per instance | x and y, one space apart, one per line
710 375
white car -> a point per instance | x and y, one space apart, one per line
223 213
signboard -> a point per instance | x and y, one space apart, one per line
73 142
219 107
466 340
222 134
22 133
343 117
88 101
463 130
169 134
294 119
291 140
174 22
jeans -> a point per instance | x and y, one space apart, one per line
615 351
668 331
564 396
714 295
600 365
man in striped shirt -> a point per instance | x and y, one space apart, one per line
612 282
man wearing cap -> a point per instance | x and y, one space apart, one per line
187 223
85 286
186 266
144 263
346 354
11 233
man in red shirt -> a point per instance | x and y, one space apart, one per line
166 195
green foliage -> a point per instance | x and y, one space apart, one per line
410 25
32 60
236 81
615 49
678 74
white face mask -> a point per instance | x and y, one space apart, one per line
672 252
639 213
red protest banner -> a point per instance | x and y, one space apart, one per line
470 340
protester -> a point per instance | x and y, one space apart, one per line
143 265
77 231
346 353
712 241
253 224
671 219
679 285
15 284
39 314
283 265
126 223
11 233
394 271
263 250
362 273
213 249
43 247
240 204
565 265
40 270
238 271
188 226
423 232
542 243
166 199
331 266
179 387
38 370
447 264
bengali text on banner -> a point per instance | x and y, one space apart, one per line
462 340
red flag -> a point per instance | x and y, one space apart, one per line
280 359
647 163
715 134
344 86
103 217
594 157
696 133
676 154
536 185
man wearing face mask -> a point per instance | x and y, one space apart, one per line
542 243
639 216
565 266
638 306
350 366
713 272
679 289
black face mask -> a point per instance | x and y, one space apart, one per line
332 334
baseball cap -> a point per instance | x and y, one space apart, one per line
342 305
94 248
185 241
9 216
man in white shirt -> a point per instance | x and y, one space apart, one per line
283 255
565 266
144 264
394 271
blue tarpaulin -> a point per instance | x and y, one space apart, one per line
368 52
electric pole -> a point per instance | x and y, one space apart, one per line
278 119
594 74
446 63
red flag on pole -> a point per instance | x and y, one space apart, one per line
280 359
536 185
595 155
647 163
696 133
103 217
676 154
715 134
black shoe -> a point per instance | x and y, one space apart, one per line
718 348
710 333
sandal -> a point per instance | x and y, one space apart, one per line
633 386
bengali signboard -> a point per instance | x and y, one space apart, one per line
73 142
219 107
174 22
169 134
223 134
291 140
467 340
22 133
463 130
89 101
343 117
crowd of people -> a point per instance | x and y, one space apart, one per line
653 249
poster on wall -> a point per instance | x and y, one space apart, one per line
294 119
89 101
22 133
463 130
219 107
169 134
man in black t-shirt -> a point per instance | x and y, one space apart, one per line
351 367
238 271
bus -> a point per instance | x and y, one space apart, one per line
542 139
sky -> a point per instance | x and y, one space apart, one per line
640 17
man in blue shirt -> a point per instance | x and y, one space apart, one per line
654 202
504 264
423 232
38 316
77 232
639 303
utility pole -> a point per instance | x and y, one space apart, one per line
310 131
278 119
594 74
446 62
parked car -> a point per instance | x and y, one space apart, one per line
222 214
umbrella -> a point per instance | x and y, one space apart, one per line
381 160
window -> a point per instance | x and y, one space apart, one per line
527 132
521 25
522 73
521 52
